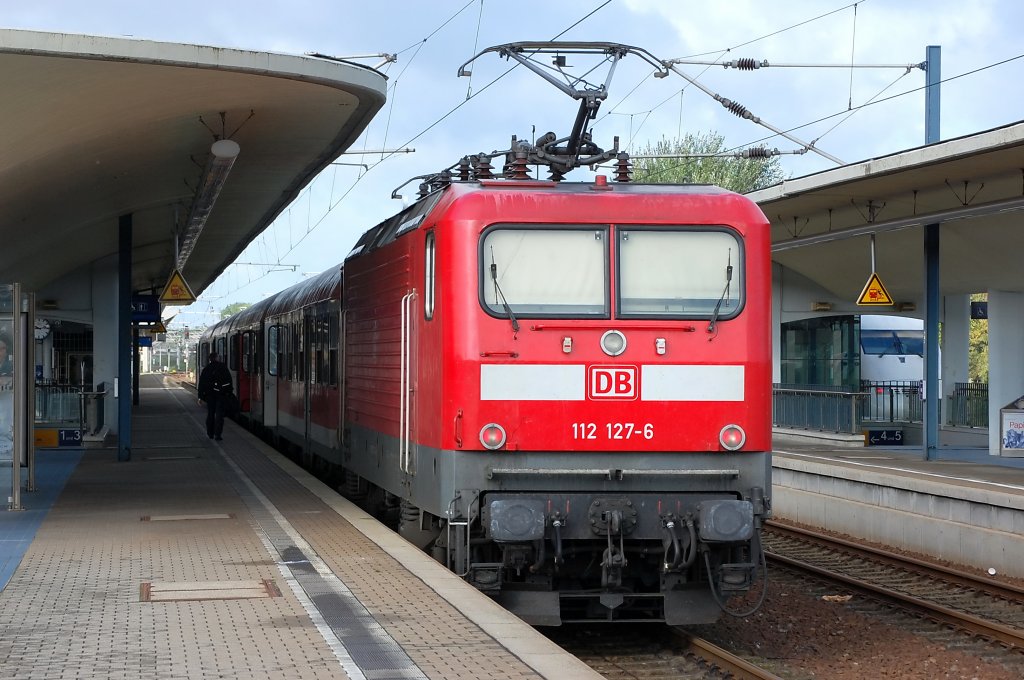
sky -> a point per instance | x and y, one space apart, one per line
850 113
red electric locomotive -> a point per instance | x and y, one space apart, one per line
563 390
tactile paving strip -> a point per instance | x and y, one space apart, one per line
366 644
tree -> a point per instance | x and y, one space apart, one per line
977 353
234 308
741 175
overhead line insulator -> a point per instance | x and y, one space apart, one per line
746 64
736 108
759 152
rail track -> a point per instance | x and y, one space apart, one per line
979 606
653 651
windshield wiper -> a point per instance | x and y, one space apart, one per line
725 294
499 295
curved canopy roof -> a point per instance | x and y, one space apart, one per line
96 128
973 186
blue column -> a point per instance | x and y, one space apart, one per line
932 105
124 339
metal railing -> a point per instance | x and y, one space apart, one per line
968 405
838 409
892 401
60 406
816 407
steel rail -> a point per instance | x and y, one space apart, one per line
1007 591
725 661
1005 635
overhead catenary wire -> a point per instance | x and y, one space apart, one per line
385 156
853 49
476 43
739 110
418 46
750 64
822 119
742 64
849 111
898 95
779 31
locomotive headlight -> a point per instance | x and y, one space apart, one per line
732 437
613 343
492 436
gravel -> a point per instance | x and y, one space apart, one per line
806 631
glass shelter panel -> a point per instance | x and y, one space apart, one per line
6 372
821 352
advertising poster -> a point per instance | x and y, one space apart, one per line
1013 433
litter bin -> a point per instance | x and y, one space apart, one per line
1011 429
94 409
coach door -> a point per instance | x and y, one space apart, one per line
272 374
237 364
309 373
247 377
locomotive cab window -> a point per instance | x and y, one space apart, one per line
679 273
429 280
553 271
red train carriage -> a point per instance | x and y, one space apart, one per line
562 390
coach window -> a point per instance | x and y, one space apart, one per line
300 350
321 348
284 345
232 358
679 273
428 278
247 352
545 272
333 343
272 350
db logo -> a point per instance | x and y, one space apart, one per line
613 382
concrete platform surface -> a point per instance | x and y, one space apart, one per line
204 559
968 510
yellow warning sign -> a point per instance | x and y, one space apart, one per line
177 292
45 439
874 293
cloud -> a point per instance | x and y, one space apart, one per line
429 102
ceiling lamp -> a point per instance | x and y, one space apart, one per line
222 156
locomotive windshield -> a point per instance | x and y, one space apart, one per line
678 273
557 272
674 272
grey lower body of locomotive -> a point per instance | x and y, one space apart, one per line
687 514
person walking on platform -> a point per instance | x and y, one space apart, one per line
214 388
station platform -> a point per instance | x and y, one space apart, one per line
964 507
205 559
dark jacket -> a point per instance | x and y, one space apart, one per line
214 380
